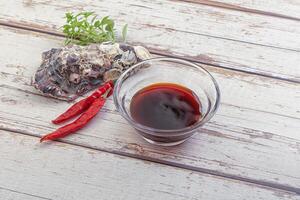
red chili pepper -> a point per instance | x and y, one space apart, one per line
83 104
78 123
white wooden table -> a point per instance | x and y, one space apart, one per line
249 150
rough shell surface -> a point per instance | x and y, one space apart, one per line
70 71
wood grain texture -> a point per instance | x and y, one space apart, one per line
238 142
62 171
216 36
280 8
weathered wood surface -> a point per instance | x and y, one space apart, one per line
7 194
239 142
289 9
63 171
254 138
221 37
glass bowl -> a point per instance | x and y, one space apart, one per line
167 70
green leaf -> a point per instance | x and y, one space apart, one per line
124 32
87 14
104 19
97 23
69 17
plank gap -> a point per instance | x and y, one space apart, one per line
27 194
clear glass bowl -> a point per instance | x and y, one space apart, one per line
167 70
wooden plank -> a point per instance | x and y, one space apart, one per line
238 142
62 171
204 34
280 8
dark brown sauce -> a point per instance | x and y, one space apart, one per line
165 106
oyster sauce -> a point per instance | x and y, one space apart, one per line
165 106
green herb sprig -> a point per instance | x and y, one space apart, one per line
85 28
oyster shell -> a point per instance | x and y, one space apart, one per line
70 71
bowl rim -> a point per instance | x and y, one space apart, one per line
162 132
